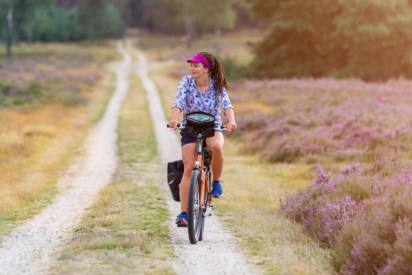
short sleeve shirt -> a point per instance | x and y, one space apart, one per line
189 99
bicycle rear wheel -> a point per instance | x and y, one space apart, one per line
195 211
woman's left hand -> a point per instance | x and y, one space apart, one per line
230 126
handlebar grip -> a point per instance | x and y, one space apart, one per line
178 125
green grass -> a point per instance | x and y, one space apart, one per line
125 231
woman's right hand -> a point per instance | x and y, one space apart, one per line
173 124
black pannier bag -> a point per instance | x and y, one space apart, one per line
174 177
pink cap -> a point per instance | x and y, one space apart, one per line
200 58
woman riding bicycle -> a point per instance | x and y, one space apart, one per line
205 89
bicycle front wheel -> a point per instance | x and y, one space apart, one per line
207 197
195 208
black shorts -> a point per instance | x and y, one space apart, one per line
187 138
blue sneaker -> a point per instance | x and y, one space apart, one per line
182 219
217 190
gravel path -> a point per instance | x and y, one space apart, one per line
28 249
218 252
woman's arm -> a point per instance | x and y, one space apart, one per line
230 115
175 117
179 103
229 111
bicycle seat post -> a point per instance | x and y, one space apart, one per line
199 151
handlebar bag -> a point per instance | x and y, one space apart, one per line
200 120
174 177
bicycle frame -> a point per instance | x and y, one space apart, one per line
200 184
199 165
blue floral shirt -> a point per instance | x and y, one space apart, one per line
189 99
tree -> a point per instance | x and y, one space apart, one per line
211 15
190 10
370 39
377 35
67 4
217 15
301 41
9 18
158 15
90 14
76 20
184 16
17 17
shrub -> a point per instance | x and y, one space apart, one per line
47 25
324 120
363 214
318 207
6 87
379 239
233 70
285 152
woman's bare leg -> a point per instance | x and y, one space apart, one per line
188 156
216 143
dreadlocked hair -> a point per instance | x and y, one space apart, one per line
216 73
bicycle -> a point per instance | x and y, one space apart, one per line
201 125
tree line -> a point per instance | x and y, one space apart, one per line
59 20
369 39
75 20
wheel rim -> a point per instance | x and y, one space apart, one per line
197 213
195 210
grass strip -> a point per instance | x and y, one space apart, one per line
125 231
